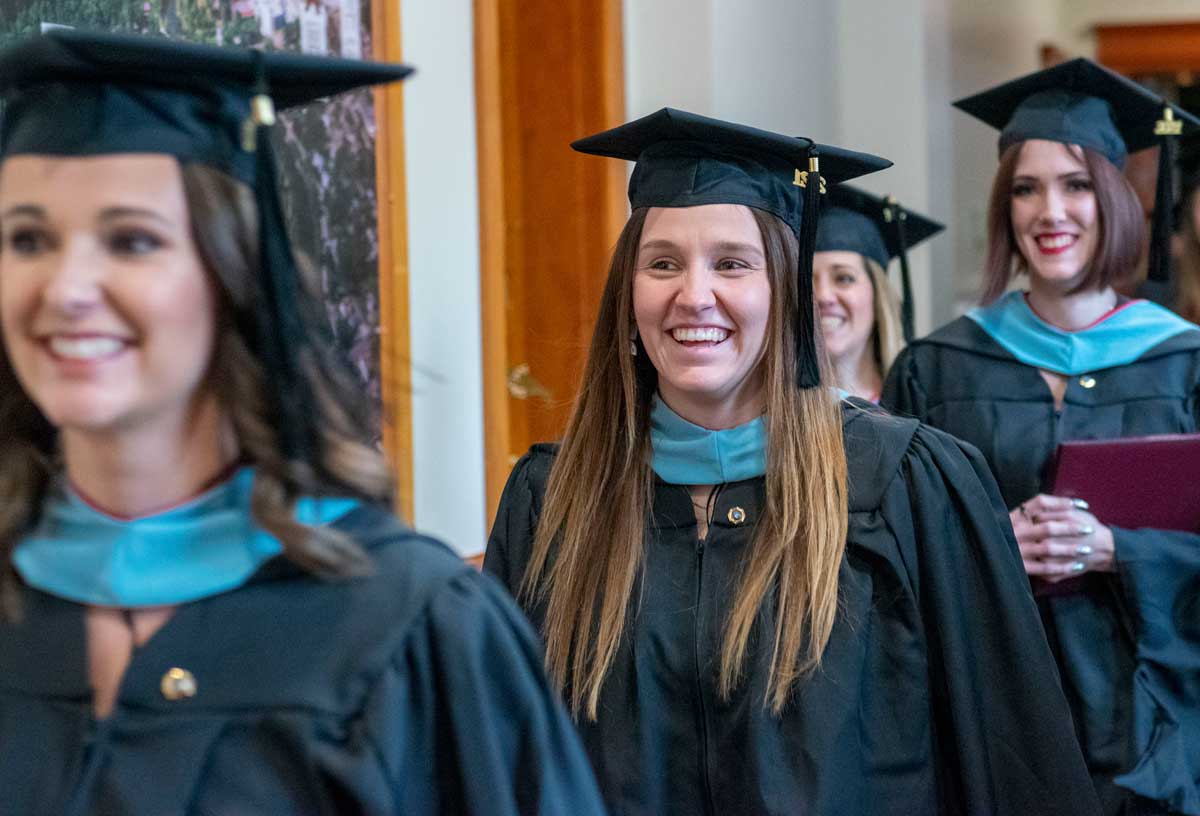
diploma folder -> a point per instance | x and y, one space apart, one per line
1134 482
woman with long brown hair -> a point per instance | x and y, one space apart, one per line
756 597
1070 359
208 606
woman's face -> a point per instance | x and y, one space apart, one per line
108 316
701 300
845 303
1054 215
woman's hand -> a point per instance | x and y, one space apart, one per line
1059 538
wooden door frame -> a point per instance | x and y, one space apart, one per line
395 342
491 136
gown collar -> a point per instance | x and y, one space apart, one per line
202 548
1121 337
691 455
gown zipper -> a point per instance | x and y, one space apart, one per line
697 641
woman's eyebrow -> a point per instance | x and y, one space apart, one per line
738 248
660 243
27 210
112 213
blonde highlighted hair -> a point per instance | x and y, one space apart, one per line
887 340
585 573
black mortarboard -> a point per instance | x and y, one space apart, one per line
78 93
853 220
1082 103
686 160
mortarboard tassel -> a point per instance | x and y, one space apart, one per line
1165 194
279 331
808 372
896 216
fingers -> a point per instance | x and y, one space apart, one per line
1052 570
1050 548
1032 533
1044 503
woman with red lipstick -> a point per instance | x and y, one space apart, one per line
208 607
1067 359
757 597
863 323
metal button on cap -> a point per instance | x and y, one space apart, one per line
1087 381
736 515
178 684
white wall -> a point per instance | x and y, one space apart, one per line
443 236
855 73
988 44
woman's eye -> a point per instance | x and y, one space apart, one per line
1079 185
661 265
133 242
845 279
728 264
1021 190
26 241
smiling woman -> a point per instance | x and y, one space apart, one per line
1066 360
735 569
863 323
701 299
203 584
107 311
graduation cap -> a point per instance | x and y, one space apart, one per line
70 92
687 160
1082 103
853 220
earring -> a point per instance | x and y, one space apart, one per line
633 342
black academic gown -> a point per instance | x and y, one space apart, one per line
418 690
1128 643
937 693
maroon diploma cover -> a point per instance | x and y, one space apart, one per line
1138 481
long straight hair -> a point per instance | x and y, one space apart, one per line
585 573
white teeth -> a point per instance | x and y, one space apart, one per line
1056 242
709 335
832 322
90 348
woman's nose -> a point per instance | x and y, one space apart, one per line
72 283
695 291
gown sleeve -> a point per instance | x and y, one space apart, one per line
1159 571
902 393
1003 731
465 703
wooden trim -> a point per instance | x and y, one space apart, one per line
1161 48
492 247
505 220
617 211
395 344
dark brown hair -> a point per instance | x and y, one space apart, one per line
224 220
1187 270
1121 225
585 572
